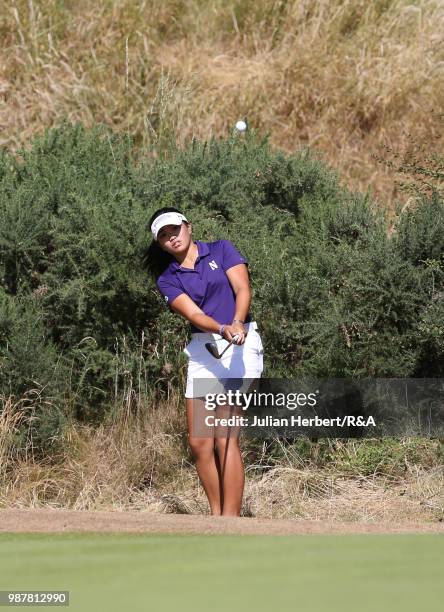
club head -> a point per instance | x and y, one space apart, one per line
214 350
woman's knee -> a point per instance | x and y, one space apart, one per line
224 443
201 446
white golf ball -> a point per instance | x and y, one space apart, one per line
241 126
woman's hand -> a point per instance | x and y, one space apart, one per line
232 330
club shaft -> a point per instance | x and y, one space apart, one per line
229 344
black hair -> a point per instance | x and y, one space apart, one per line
154 259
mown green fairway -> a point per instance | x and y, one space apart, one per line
225 573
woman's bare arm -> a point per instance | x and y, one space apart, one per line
238 277
185 306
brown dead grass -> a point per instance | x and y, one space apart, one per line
323 495
341 76
141 462
99 467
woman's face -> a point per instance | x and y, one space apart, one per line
174 239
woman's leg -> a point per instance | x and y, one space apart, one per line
207 464
231 464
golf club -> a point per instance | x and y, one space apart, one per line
212 347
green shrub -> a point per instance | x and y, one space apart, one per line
381 457
388 456
34 372
28 358
334 295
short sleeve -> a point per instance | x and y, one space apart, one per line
168 289
231 256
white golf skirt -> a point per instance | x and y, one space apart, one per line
206 374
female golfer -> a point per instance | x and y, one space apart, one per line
208 284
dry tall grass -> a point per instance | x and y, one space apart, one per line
11 417
343 76
141 462
106 466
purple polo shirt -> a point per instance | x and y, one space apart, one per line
207 284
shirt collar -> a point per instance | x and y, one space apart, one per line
202 250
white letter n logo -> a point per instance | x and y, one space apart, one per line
213 265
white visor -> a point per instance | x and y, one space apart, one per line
170 218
